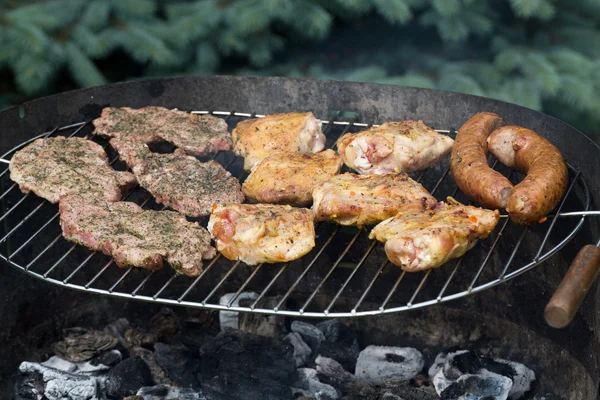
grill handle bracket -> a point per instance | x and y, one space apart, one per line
574 286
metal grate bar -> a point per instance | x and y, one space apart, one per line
22 222
266 289
333 267
360 264
437 185
312 263
59 261
488 255
42 253
243 286
87 285
43 135
208 267
368 289
14 207
392 291
14 185
514 252
162 289
142 283
458 264
558 210
233 267
127 272
33 236
412 299
68 278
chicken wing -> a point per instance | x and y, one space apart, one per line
351 199
289 178
254 139
423 239
393 147
262 233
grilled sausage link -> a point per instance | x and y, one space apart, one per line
547 174
469 166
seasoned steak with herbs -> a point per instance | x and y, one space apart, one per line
193 133
59 166
180 181
135 237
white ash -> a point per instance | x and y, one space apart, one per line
522 379
230 319
381 365
483 385
85 368
60 385
302 352
308 385
463 369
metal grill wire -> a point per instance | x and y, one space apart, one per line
344 266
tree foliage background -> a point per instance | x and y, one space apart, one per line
543 54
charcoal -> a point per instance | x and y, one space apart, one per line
345 355
333 373
117 329
464 362
407 393
336 331
261 324
482 386
158 375
380 365
127 378
75 368
37 381
80 344
108 358
180 365
308 385
136 337
192 335
165 392
164 323
302 352
230 319
311 335
236 364
438 364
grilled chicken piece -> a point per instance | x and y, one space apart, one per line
59 166
254 139
195 134
262 233
393 147
289 178
351 199
180 181
423 239
136 237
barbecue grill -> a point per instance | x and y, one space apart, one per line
346 275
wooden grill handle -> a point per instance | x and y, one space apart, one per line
572 289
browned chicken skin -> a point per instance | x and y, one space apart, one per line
351 199
289 178
423 239
406 146
254 139
262 233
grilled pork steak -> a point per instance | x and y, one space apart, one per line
59 166
136 237
179 181
195 134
